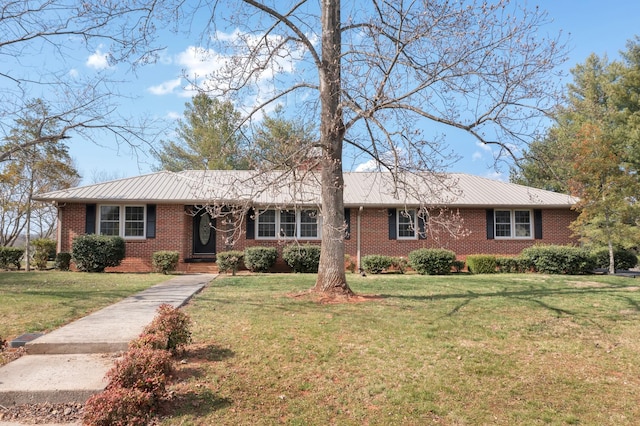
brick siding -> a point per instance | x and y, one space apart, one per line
174 232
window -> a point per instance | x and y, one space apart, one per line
512 223
131 224
289 223
406 223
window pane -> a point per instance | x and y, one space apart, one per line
287 223
109 220
523 223
134 221
266 223
308 224
406 223
503 223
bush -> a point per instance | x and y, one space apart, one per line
559 259
482 264
260 259
143 368
118 406
229 261
432 261
376 263
302 258
165 261
623 259
44 249
94 253
512 264
170 330
63 261
10 257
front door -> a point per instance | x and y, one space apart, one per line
204 233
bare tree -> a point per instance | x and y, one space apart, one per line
39 40
383 71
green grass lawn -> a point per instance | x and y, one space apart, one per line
42 301
455 350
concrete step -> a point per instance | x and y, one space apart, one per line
53 378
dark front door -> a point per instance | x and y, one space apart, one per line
204 233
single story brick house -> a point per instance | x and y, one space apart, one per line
173 211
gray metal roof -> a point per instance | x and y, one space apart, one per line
276 188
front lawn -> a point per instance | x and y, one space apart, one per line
43 301
453 350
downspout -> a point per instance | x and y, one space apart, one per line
358 254
58 227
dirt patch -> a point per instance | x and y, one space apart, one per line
43 413
334 298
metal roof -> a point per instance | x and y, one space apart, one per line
282 188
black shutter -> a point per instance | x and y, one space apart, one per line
490 224
422 228
392 224
537 223
151 220
251 224
347 221
90 219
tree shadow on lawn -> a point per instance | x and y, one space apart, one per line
531 294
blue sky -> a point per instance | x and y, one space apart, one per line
158 90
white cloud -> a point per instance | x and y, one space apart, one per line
476 156
98 60
166 87
74 73
172 115
495 175
369 166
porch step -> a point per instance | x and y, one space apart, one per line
201 268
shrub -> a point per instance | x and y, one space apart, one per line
165 261
260 259
623 259
376 263
229 261
63 261
143 368
512 264
10 257
482 264
94 253
559 259
169 330
44 249
302 258
118 406
432 261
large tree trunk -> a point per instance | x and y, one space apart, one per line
331 274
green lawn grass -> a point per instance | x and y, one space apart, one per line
43 301
453 350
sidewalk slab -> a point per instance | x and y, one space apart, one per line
53 378
69 364
112 328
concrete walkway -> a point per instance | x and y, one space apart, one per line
69 364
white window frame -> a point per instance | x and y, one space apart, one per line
278 234
513 225
122 211
411 216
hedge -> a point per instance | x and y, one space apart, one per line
94 253
229 261
482 264
260 259
559 259
623 259
302 258
165 261
376 263
432 261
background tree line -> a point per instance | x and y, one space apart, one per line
592 150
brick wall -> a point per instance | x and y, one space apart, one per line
174 232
